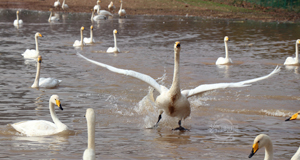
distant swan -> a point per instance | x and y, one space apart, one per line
91 39
43 82
80 43
114 49
291 60
89 153
52 18
42 127
122 12
31 53
18 21
97 17
111 7
64 6
226 60
97 7
173 101
264 140
56 4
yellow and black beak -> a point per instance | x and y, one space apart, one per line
254 149
39 59
293 117
177 44
92 27
40 35
58 104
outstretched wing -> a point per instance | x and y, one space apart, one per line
131 73
207 87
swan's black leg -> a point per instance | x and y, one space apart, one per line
156 125
180 127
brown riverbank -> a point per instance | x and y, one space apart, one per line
161 7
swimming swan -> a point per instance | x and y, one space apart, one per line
80 43
43 82
89 153
226 60
42 127
91 39
56 3
114 49
291 60
111 7
173 101
18 21
122 12
52 18
97 17
31 53
264 140
64 6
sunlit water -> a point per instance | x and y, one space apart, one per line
123 108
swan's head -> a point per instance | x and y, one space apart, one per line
259 142
226 39
17 12
39 59
82 28
98 1
177 46
50 9
296 116
298 41
38 35
92 27
90 114
115 31
55 100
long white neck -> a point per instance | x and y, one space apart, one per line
297 59
37 76
175 88
37 46
49 20
92 16
121 5
53 115
63 4
269 151
115 38
81 38
91 35
91 134
226 50
17 18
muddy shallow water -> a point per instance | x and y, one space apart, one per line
123 108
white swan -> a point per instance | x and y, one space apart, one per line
111 6
97 7
89 153
43 82
114 49
42 127
104 13
52 18
122 12
226 60
64 6
18 21
173 101
264 140
80 43
91 39
97 17
56 4
291 60
31 53
295 116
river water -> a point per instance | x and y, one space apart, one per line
123 109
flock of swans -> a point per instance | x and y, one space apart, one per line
172 101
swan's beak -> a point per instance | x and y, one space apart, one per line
254 149
298 41
92 27
293 117
40 35
40 59
82 28
177 44
58 104
116 32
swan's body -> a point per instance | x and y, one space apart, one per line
97 17
111 7
89 153
64 6
173 101
42 127
91 39
104 13
43 82
264 140
52 18
56 4
122 12
97 7
18 21
114 49
31 53
226 60
291 60
80 43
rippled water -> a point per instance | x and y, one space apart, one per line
121 103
